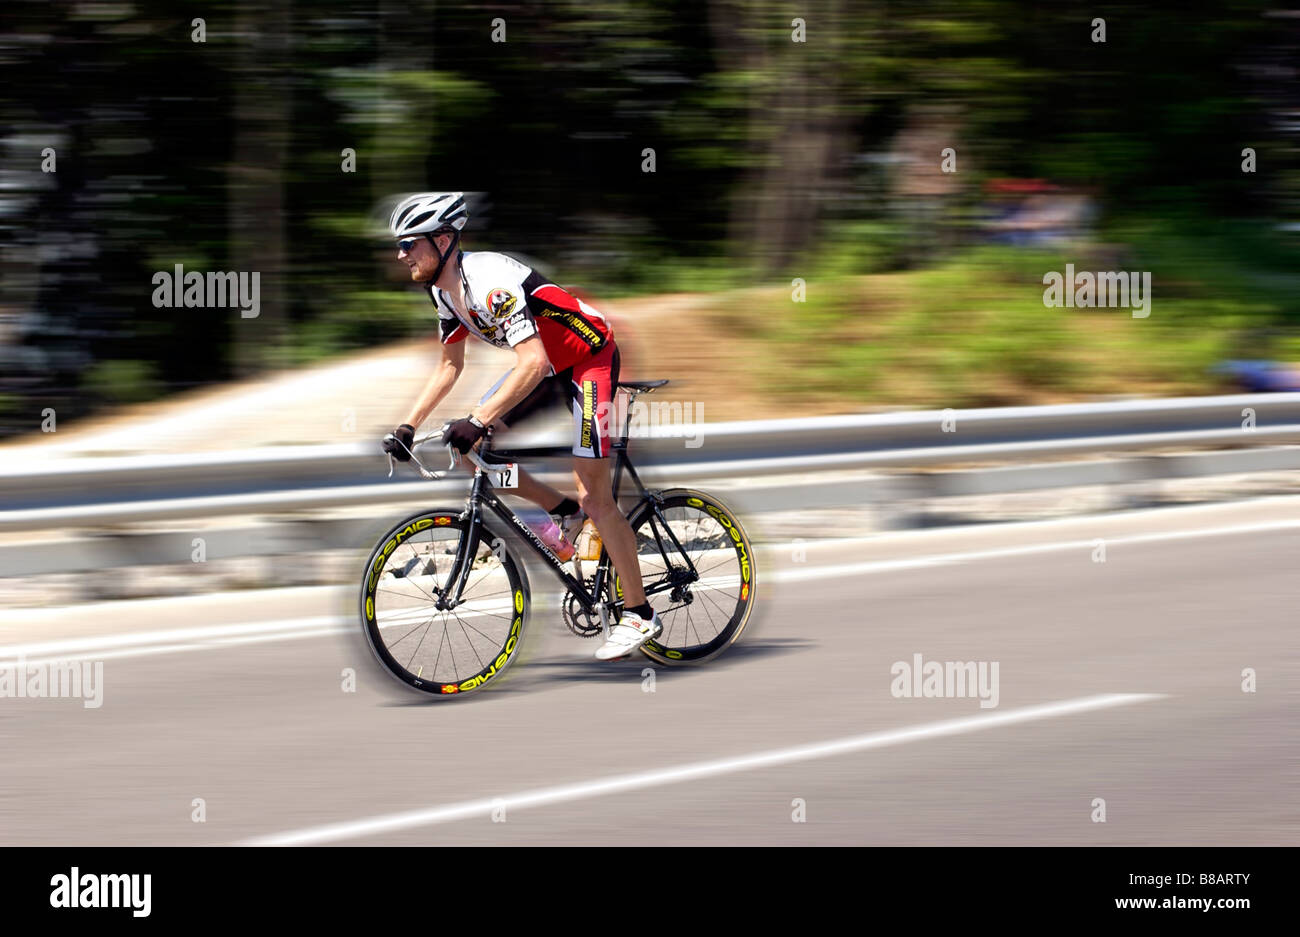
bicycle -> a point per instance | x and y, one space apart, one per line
433 564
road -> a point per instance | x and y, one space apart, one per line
1118 680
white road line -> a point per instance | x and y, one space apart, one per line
153 650
91 643
208 638
449 813
941 559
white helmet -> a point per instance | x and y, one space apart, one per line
429 212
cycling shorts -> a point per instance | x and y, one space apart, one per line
587 388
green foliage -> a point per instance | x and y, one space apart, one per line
775 160
122 381
975 332
360 320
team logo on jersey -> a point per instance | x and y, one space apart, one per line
500 302
489 331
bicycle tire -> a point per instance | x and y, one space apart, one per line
387 560
723 535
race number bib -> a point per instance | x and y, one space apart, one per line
507 475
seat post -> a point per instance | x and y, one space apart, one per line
627 417
634 389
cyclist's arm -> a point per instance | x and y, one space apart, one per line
440 384
531 365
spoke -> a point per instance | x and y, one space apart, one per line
485 572
690 622
716 590
406 595
423 593
420 643
465 624
506 598
726 616
493 615
672 613
417 566
726 559
455 671
506 592
426 622
473 650
436 660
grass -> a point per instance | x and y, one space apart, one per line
972 331
975 331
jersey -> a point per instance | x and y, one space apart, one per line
508 302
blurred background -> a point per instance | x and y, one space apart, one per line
806 210
773 159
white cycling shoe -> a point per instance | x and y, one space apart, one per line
630 633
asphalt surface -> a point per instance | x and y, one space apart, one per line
239 700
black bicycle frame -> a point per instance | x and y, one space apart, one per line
483 492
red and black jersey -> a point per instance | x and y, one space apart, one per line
508 302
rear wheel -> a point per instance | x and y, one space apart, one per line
443 652
698 569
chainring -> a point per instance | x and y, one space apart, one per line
577 619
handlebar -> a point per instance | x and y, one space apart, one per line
420 467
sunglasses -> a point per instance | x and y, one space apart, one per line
408 244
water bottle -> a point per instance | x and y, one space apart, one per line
549 533
588 541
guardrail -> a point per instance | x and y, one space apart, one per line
98 492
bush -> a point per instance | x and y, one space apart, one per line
122 381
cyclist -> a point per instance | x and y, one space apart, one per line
563 349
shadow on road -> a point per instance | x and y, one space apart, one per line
532 677
536 674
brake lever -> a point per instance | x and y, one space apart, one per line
389 454
415 460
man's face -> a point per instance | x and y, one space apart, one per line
419 254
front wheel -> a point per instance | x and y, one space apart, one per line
443 652
698 569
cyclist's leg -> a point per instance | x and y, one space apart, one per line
596 496
530 488
592 388
538 492
549 392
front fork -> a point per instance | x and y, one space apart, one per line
466 548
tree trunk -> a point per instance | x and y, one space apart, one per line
256 178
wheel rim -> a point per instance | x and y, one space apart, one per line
699 615
442 650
